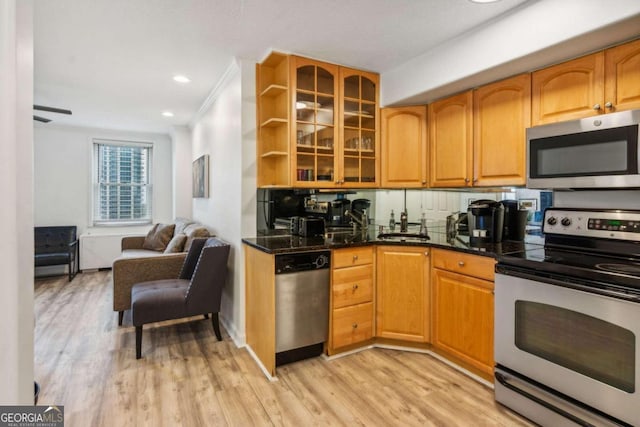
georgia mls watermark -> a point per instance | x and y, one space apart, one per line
32 416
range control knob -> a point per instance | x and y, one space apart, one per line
552 220
565 221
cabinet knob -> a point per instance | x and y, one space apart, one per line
355 287
608 105
354 326
426 253
337 182
475 179
424 182
466 180
461 263
355 257
596 107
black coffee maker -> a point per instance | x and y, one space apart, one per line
515 221
486 221
336 215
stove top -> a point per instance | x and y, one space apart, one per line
600 246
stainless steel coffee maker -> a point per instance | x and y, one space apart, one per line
486 220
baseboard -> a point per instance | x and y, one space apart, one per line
238 339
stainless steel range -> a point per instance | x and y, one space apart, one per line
567 322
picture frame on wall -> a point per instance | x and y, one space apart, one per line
201 177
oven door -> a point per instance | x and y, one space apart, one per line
581 344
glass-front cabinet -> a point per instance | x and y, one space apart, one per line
359 166
314 132
317 124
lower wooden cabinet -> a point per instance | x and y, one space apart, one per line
352 324
402 293
463 310
352 276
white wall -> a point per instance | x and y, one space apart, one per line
16 168
181 155
535 35
225 130
63 176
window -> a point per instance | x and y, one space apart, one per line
122 182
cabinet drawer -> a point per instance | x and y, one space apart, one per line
352 324
471 265
352 285
352 257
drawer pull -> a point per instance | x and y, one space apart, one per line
355 287
355 257
354 326
461 263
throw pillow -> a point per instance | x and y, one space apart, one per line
181 224
193 231
176 244
158 237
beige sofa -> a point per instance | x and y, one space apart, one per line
137 264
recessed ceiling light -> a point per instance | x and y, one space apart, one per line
181 79
167 114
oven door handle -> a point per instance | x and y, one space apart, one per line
568 283
505 382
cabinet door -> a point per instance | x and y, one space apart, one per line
622 71
360 139
450 141
402 297
463 318
571 90
404 147
501 114
314 132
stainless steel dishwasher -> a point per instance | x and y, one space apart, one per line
302 305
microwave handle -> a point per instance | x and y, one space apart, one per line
505 382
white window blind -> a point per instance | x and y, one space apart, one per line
122 188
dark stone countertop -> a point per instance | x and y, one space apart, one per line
279 243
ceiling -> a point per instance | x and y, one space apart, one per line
112 61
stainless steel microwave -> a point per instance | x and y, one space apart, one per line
597 152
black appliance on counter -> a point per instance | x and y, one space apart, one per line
567 321
485 221
360 205
337 212
273 204
515 221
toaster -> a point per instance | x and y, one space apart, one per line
310 227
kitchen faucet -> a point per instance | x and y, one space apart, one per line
363 221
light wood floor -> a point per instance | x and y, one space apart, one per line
85 362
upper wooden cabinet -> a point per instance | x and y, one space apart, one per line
501 115
404 155
403 293
622 77
595 84
450 141
273 110
359 163
314 131
318 124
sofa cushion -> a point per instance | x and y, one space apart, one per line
176 244
158 237
194 231
139 253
